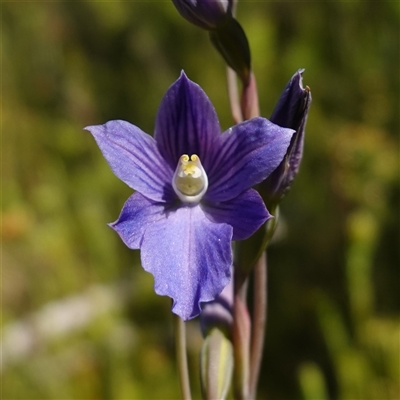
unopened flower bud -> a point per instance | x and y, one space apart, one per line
206 14
216 365
231 42
290 112
226 34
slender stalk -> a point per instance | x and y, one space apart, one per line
233 95
234 6
249 100
259 322
181 357
241 344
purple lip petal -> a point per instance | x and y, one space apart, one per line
186 123
134 158
250 152
190 258
246 213
137 214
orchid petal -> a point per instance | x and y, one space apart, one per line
245 213
190 258
250 152
186 123
134 158
137 214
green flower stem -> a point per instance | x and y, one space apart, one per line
267 235
181 357
259 322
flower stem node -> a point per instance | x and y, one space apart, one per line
190 180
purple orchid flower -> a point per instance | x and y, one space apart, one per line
291 111
206 14
193 191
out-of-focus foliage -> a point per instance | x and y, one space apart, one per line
80 319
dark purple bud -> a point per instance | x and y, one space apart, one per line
231 42
290 112
206 14
226 34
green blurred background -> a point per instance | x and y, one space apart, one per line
80 319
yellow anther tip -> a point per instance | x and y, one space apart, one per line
184 158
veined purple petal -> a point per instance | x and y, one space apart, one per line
134 158
250 151
245 213
137 214
190 258
186 123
